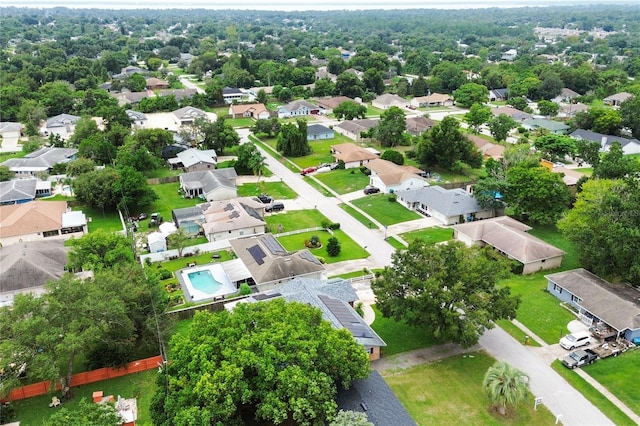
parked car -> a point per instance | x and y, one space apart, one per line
579 358
142 216
265 199
274 207
308 170
575 340
323 169
371 190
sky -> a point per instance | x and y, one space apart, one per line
291 5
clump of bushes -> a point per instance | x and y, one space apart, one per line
164 274
333 247
314 242
392 198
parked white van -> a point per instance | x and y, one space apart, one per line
575 340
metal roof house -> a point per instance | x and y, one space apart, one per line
597 300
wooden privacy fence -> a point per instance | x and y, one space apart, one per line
85 378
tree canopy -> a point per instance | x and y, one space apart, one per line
268 361
444 144
450 290
505 385
292 140
349 110
471 93
391 128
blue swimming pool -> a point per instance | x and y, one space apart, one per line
203 281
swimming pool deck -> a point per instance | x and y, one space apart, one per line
194 295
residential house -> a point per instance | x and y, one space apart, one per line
156 84
138 119
546 125
629 146
353 129
449 206
388 100
599 302
498 95
374 397
194 160
234 218
62 125
210 185
130 98
18 191
516 114
156 242
271 265
335 299
179 94
566 95
10 132
39 220
187 115
316 132
40 161
570 177
617 99
416 126
352 155
255 111
568 110
28 266
329 104
509 55
322 72
299 108
510 237
231 95
432 100
390 177
488 149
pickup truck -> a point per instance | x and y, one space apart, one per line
579 358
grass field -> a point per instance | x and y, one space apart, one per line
593 395
357 215
449 392
516 332
344 181
294 220
35 411
169 199
278 190
395 243
350 249
432 235
381 209
107 221
400 336
620 376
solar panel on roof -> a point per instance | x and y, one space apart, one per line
306 255
257 253
273 245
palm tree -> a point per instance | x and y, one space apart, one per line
505 385
256 163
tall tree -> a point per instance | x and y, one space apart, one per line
630 114
268 361
444 144
500 126
292 140
451 290
477 116
505 385
537 193
588 151
99 250
471 93
555 147
348 84
548 108
86 414
604 225
219 135
391 127
615 165
350 110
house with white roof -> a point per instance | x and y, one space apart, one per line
388 100
449 206
210 185
62 125
187 115
156 242
299 108
195 160
390 177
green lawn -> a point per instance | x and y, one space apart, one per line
4 156
202 259
294 220
516 332
381 209
107 221
169 199
321 151
354 274
161 172
400 336
278 190
35 411
317 186
433 235
449 392
350 249
593 395
551 235
358 216
344 181
620 376
395 243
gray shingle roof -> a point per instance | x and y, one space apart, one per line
599 137
31 264
357 126
16 190
209 180
62 120
318 129
43 158
383 408
449 202
616 304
